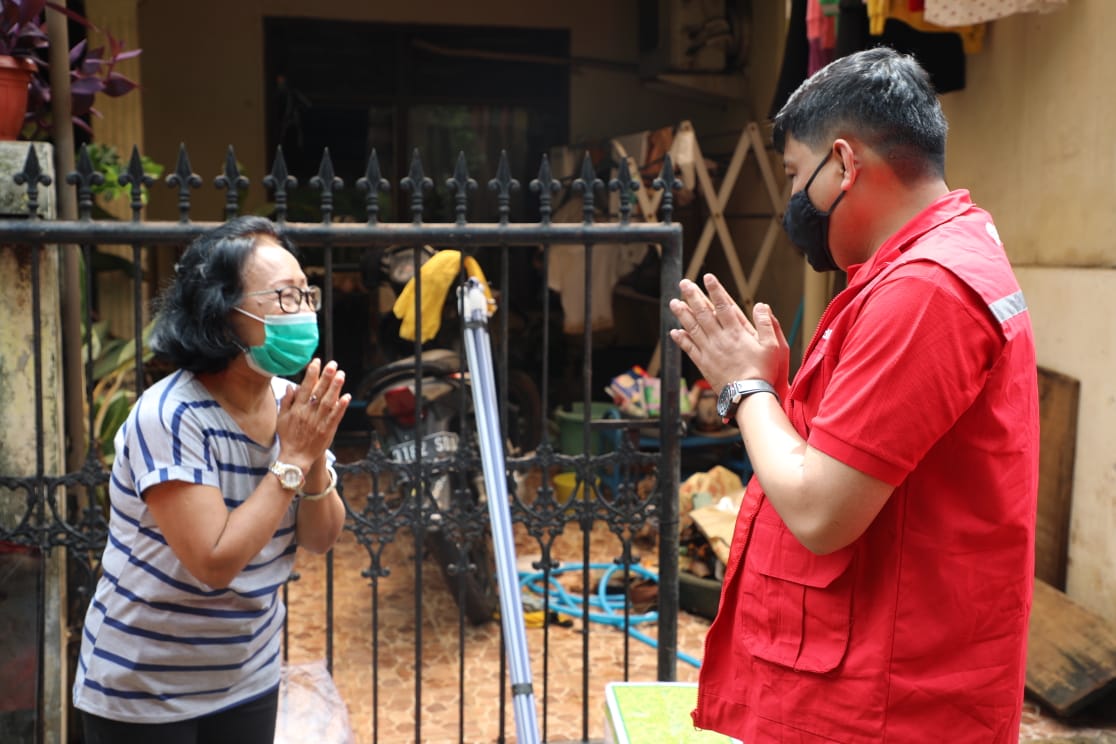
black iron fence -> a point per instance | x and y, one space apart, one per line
626 490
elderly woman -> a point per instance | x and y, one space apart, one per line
221 470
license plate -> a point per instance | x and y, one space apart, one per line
436 446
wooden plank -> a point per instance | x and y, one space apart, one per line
1071 652
1058 398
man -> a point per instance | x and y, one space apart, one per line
879 582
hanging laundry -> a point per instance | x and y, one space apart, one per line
566 275
796 56
941 54
952 13
852 27
821 36
879 11
941 51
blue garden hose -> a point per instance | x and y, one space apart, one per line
609 607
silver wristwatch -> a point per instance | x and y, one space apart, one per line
734 392
290 476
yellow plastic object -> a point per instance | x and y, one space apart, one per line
438 274
564 484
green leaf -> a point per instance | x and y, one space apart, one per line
118 353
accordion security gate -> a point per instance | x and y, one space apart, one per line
64 511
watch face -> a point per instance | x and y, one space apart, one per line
290 476
724 400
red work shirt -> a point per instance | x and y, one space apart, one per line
921 374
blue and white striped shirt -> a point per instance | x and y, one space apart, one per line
158 644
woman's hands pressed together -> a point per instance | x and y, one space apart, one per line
310 414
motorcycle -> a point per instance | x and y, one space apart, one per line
393 268
432 395
396 411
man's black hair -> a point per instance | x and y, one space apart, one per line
192 329
878 96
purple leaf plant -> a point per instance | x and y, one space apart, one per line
92 71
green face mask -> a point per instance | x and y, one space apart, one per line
289 343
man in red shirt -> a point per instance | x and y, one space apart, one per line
879 583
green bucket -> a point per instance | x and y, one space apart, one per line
570 420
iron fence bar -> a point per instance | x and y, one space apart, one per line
502 366
137 314
587 185
326 182
422 481
327 260
343 234
669 463
583 476
40 472
92 455
375 692
544 394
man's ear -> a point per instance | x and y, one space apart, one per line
850 161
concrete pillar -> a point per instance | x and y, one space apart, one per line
18 432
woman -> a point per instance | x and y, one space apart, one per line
221 469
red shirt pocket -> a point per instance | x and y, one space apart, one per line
795 606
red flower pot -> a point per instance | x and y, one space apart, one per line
15 77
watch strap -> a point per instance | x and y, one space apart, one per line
741 389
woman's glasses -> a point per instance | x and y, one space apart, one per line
292 298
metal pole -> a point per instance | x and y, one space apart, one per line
60 111
478 352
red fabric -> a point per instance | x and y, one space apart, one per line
917 630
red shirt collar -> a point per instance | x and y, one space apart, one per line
941 210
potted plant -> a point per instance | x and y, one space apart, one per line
92 71
21 36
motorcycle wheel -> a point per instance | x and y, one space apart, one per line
475 591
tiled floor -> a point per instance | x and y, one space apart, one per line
461 702
380 693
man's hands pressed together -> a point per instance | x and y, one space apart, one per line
723 343
825 503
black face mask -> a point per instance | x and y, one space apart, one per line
808 227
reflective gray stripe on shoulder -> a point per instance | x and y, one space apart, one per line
1008 307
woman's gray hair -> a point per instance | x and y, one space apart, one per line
192 329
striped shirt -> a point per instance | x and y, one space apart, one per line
158 644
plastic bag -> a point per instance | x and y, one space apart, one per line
310 707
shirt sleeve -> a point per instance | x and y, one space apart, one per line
167 442
912 363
